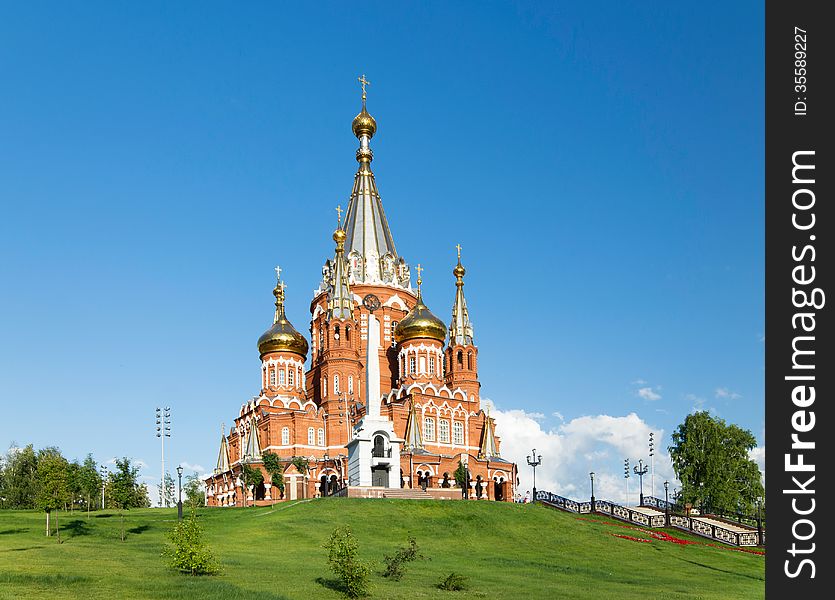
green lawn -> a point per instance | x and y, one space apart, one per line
506 550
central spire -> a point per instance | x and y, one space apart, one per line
369 245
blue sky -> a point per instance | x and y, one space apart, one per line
601 165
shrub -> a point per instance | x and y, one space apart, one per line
188 552
344 562
453 582
396 565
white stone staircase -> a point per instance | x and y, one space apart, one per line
407 494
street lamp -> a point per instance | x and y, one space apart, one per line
759 522
534 461
640 470
652 463
666 504
626 477
103 480
591 475
179 492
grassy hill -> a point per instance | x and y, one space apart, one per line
506 550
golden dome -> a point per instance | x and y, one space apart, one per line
364 124
282 336
420 323
339 236
459 270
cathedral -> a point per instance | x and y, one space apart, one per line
389 405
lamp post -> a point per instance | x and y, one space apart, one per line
652 463
666 504
626 477
759 522
163 416
534 461
103 481
179 492
591 475
640 470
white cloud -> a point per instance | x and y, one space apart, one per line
572 450
648 394
723 392
558 414
189 468
640 382
758 456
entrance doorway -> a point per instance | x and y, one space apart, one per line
498 491
380 476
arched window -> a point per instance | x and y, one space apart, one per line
324 386
350 384
460 358
431 365
281 377
412 365
379 448
393 327
336 384
285 436
429 429
336 333
469 360
272 376
347 334
320 437
443 431
458 433
291 376
311 436
321 338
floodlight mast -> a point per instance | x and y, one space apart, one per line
163 423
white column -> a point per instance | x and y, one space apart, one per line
372 368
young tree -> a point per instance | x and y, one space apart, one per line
343 558
89 481
123 489
711 459
168 492
274 468
194 491
53 485
188 552
460 476
73 483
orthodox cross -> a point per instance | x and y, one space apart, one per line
363 82
458 247
339 216
278 273
419 270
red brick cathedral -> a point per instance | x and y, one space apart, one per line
389 405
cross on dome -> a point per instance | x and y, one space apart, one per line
363 82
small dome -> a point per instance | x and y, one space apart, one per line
339 236
420 323
282 336
364 124
459 270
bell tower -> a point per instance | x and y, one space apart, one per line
461 358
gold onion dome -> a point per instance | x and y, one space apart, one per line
364 123
282 336
420 323
459 271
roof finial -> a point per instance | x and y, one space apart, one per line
278 292
339 216
363 82
458 247
419 280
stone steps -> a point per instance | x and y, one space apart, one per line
408 494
